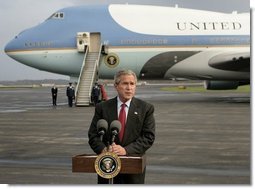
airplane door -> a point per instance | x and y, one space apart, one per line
86 39
95 41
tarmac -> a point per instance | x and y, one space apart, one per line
202 138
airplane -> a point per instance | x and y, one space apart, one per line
156 42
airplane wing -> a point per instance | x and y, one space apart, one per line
231 61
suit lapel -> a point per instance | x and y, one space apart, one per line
112 110
132 120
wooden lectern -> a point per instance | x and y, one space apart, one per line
129 164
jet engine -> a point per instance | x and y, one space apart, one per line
221 85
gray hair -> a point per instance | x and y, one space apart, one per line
123 72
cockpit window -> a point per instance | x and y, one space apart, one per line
57 15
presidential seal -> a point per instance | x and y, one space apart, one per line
108 165
111 60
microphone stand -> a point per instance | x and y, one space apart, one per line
101 133
110 181
108 150
115 133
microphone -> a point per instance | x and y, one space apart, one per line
115 128
102 127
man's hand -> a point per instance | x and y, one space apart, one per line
117 149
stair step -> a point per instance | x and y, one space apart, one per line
86 78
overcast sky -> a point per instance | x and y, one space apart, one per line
17 15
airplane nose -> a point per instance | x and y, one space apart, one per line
18 42
8 48
11 46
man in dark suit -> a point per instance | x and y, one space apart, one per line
70 93
139 127
54 93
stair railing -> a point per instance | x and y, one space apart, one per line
81 72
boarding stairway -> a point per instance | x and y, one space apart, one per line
87 78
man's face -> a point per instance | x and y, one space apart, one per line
126 87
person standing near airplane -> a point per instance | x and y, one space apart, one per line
137 133
104 96
54 93
70 93
96 92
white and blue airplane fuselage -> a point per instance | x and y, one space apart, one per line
155 42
